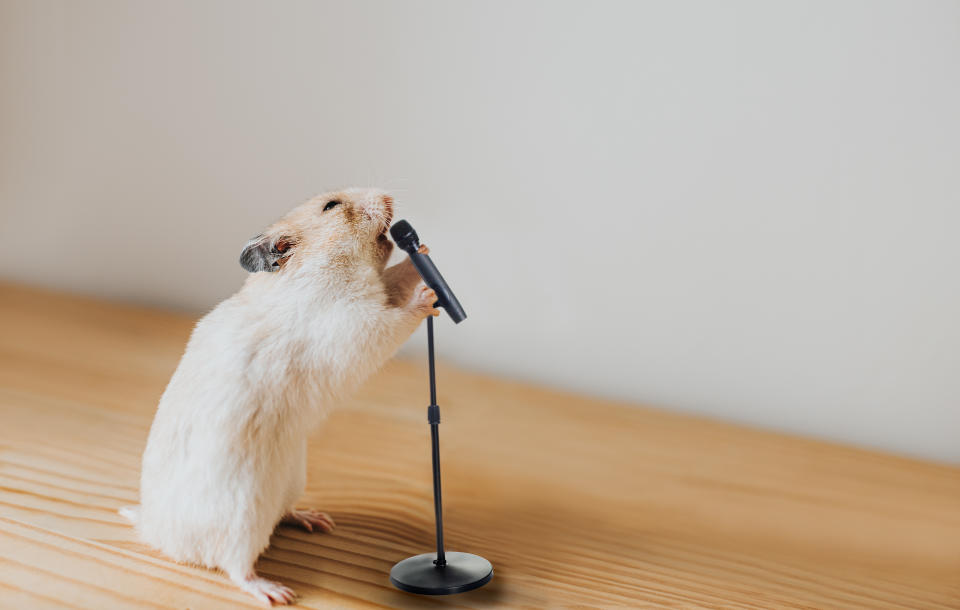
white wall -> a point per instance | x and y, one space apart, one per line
747 210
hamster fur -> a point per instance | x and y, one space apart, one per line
225 461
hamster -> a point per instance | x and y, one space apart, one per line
225 461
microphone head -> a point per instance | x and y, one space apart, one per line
404 235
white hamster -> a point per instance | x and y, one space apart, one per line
226 458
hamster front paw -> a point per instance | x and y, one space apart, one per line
423 300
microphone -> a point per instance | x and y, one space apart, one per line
407 240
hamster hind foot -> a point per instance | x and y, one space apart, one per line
310 519
267 591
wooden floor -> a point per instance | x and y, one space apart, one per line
577 502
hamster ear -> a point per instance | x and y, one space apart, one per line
256 255
264 253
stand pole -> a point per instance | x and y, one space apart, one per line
433 416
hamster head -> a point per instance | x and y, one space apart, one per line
335 229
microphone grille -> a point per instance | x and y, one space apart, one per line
404 235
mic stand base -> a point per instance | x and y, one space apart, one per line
462 572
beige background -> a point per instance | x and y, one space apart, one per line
745 210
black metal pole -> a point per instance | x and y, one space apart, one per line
433 416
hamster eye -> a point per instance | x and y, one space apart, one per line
331 204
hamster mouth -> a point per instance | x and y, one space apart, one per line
385 225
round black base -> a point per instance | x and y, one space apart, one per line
463 572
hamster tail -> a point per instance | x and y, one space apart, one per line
130 513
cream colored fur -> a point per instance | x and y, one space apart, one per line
226 455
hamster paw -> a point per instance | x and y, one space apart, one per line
423 301
310 519
267 591
423 249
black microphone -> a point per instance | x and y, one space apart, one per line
407 240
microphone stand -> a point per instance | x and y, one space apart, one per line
439 573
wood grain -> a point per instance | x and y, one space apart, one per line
577 502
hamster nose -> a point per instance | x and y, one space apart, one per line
379 208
